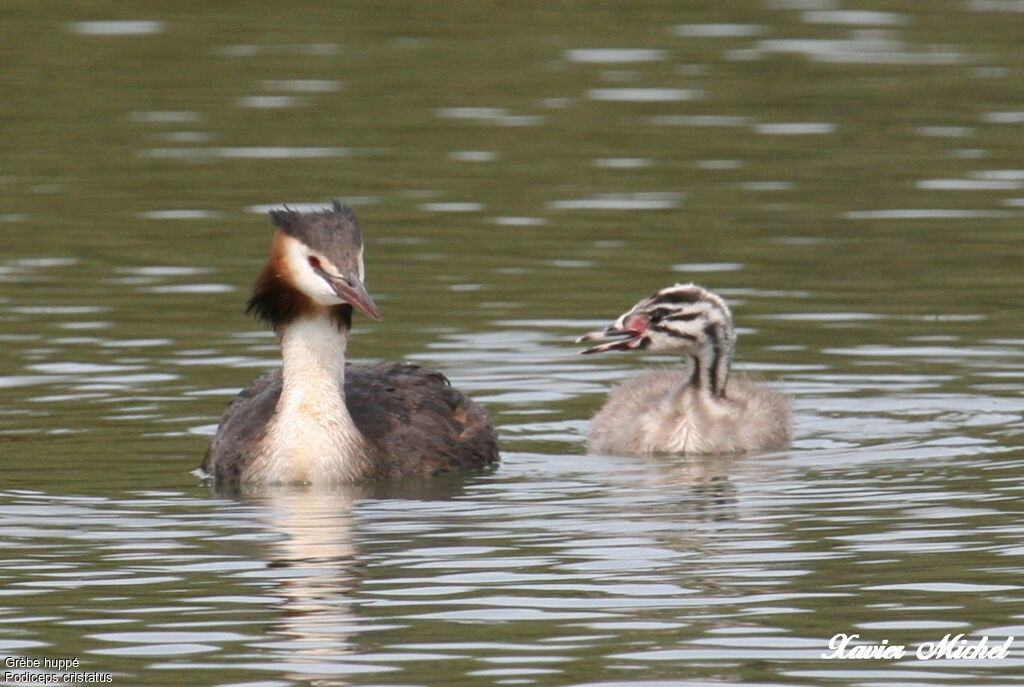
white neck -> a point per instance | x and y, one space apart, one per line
312 437
312 344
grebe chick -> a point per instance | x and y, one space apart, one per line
318 420
697 409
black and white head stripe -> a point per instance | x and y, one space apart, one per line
689 318
683 318
688 302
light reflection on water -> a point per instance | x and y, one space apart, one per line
707 558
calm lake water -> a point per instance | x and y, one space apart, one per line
849 175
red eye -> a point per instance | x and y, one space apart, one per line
314 262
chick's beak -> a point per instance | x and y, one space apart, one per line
351 290
622 339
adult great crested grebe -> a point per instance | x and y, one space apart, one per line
316 419
699 408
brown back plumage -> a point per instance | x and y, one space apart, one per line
414 422
418 420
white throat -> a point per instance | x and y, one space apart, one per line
312 437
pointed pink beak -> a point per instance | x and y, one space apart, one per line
353 292
623 339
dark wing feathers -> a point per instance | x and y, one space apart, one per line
241 426
413 417
417 420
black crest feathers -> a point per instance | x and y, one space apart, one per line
289 220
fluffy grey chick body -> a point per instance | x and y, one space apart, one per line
697 408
